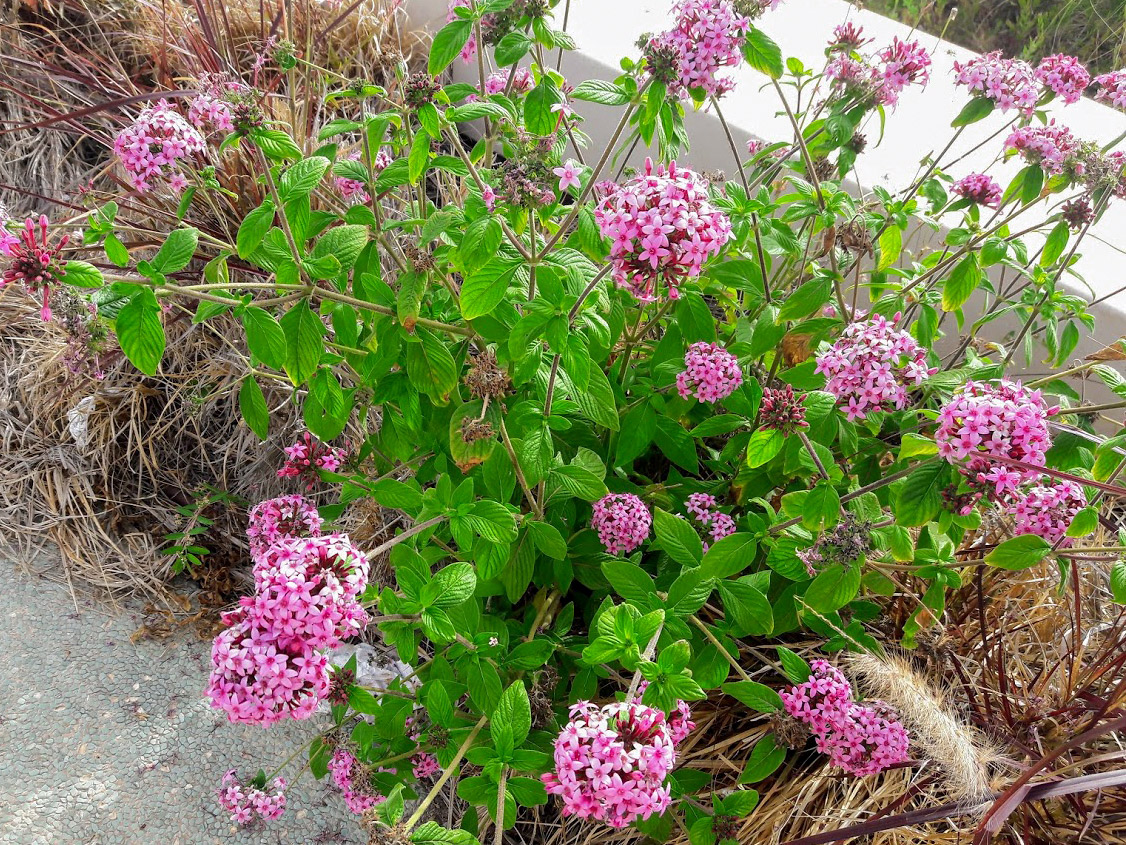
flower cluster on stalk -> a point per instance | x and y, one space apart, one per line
1047 510
709 520
353 778
663 227
305 458
245 801
622 522
1009 83
33 262
863 738
611 763
706 38
710 373
1064 76
283 518
782 410
872 366
877 80
156 146
980 189
1112 88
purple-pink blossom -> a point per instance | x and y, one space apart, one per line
710 373
34 262
1052 146
156 145
1047 510
1063 75
904 63
353 778
782 410
1112 88
245 801
706 39
979 188
622 522
1009 83
984 422
283 518
568 174
663 228
354 191
710 521
305 458
424 765
611 763
872 366
861 738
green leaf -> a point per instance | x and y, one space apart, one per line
264 337
302 177
891 245
538 116
79 274
511 721
254 228
602 92
746 609
176 251
475 111
764 761
961 283
796 669
833 588
484 290
419 157
822 507
275 144
116 250
677 538
758 697
344 243
399 495
920 496
252 404
763 54
763 446
805 300
1118 581
730 556
915 445
1085 522
448 43
431 366
629 581
548 539
1055 244
975 110
1020 552
511 48
457 582
140 333
304 342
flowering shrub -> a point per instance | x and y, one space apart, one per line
623 423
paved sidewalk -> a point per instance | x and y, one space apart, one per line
105 742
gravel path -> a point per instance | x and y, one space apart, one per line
106 742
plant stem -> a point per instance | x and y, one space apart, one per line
447 773
714 641
406 535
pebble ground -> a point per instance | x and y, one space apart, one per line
107 742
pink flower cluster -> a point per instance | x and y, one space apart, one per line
308 455
1052 146
905 63
1064 75
711 373
611 763
1112 88
267 664
979 188
782 410
33 261
9 240
497 81
714 523
352 778
156 146
244 801
210 109
679 720
861 738
622 522
983 422
353 190
872 365
664 228
1009 83
1048 511
424 765
283 518
707 37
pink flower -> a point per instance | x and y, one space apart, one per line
307 456
34 262
1048 511
568 175
490 197
424 765
980 189
1053 147
611 762
1112 88
905 63
710 521
354 191
710 374
983 422
871 367
244 801
1009 83
1064 75
622 522
663 229
284 518
156 145
354 779
469 51
9 240
706 39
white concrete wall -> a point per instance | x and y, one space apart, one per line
605 30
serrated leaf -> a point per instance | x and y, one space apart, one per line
1020 552
140 333
252 405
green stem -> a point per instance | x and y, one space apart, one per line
447 773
